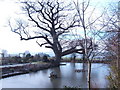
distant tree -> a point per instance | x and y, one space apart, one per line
4 53
37 57
25 53
45 58
28 55
15 59
73 56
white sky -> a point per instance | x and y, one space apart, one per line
11 41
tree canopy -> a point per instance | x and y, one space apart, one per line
50 21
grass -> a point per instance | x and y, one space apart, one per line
39 62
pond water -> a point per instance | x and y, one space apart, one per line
66 77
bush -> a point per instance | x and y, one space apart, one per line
114 77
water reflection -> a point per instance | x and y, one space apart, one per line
66 76
54 82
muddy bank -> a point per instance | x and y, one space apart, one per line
17 70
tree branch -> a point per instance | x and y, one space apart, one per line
69 51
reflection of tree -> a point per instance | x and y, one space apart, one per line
72 65
94 79
3 54
57 71
72 70
45 71
71 75
84 79
85 66
56 83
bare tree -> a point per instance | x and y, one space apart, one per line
50 21
113 44
87 23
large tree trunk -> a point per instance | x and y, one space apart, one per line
84 61
57 57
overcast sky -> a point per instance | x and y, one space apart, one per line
9 40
